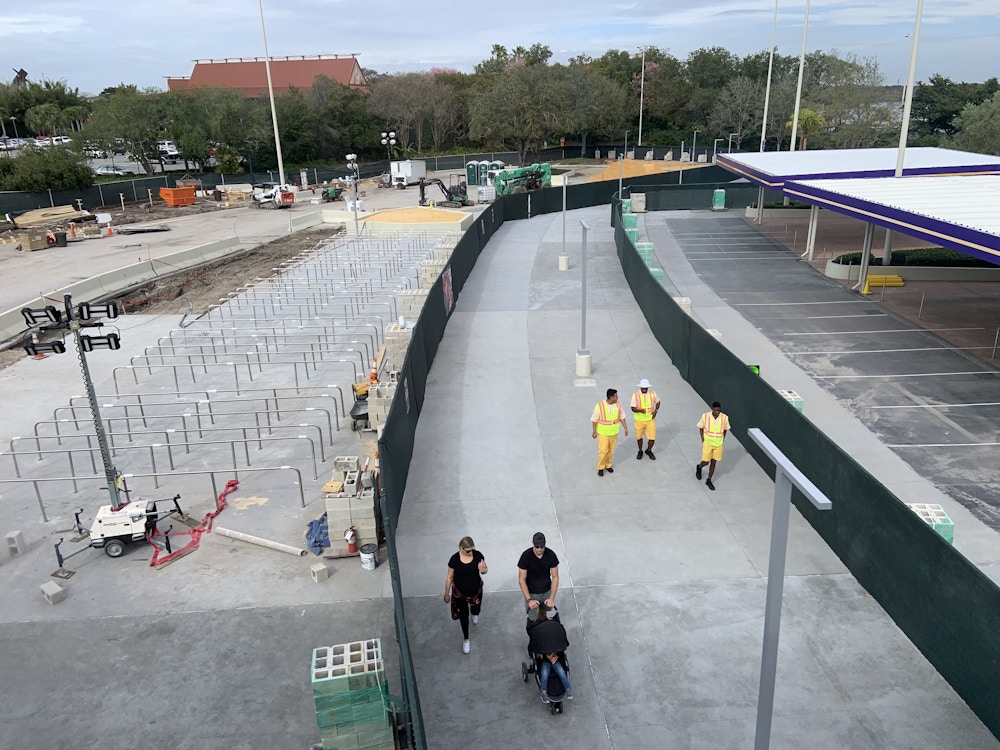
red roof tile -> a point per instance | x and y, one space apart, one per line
249 74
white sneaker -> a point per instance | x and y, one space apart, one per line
475 619
466 646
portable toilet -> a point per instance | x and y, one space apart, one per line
496 167
484 168
471 173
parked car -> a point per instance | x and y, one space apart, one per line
109 170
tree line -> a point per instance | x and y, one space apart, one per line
515 99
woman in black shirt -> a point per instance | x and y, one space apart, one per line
463 587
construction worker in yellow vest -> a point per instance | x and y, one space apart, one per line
645 404
606 420
713 428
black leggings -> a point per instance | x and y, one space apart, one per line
462 606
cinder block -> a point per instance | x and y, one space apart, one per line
793 398
15 543
319 572
684 303
53 592
338 503
346 463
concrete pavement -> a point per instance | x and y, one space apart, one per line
662 581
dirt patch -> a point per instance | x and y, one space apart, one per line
194 290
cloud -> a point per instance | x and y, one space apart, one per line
19 26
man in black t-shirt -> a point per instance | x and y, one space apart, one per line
538 576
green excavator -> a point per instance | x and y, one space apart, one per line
523 179
456 194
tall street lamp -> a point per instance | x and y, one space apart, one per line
767 91
694 148
798 87
13 121
731 136
270 94
389 140
715 148
642 86
352 163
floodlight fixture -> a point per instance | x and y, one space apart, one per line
90 310
45 347
47 314
111 341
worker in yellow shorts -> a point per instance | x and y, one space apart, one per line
712 427
606 421
645 404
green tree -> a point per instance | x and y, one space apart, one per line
131 118
738 109
937 104
809 122
501 60
36 170
977 127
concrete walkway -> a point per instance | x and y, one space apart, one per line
662 582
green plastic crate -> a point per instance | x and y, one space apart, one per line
633 234
627 206
937 518
657 274
630 221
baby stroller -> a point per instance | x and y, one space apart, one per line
547 636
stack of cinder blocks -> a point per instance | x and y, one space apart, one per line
409 302
354 505
430 269
937 518
397 341
380 397
351 697
793 398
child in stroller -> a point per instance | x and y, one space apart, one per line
547 644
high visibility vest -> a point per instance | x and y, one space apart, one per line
713 430
644 401
609 414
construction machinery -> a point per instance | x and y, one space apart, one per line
331 193
523 179
455 194
272 195
116 527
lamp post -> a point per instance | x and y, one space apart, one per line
13 121
352 163
84 316
694 148
715 148
731 135
798 87
270 94
642 86
389 140
767 91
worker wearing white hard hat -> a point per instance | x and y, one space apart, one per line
645 405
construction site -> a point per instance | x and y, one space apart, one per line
204 477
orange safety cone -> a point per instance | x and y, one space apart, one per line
34 340
72 231
110 232
373 378
376 462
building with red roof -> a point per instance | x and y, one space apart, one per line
249 75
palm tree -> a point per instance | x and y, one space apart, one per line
809 122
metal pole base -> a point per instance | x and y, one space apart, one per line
563 262
583 365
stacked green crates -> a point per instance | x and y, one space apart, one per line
351 697
645 250
630 221
937 518
626 206
633 234
657 274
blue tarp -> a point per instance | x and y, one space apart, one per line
318 535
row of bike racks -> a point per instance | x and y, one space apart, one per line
322 311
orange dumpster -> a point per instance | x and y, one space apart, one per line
182 196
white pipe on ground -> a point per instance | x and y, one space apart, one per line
297 551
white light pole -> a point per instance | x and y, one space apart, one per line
731 136
583 353
352 163
270 94
694 148
715 148
389 140
767 91
798 88
642 86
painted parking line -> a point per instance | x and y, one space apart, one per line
789 304
863 315
937 406
889 330
888 351
942 445
904 375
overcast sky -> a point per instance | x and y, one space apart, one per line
98 43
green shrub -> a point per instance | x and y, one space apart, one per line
925 256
